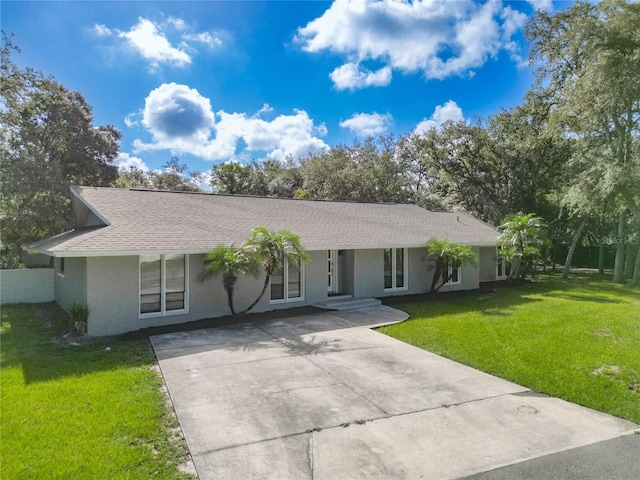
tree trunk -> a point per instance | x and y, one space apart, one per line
230 290
636 270
264 289
572 249
601 251
618 269
629 261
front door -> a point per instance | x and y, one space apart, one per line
332 271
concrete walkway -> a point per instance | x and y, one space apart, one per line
325 397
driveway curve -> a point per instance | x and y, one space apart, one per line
324 396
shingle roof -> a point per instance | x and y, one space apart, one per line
160 221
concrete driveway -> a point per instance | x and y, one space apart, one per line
325 397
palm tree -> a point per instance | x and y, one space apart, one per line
443 253
274 249
229 263
521 238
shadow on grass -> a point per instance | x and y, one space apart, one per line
32 337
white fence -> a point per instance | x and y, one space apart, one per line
31 285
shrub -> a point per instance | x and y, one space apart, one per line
78 318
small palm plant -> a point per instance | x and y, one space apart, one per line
274 249
522 236
229 263
443 253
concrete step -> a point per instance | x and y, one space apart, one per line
349 303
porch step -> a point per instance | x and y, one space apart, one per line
349 303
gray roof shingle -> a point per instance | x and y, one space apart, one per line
160 221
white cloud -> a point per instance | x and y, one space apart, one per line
204 37
101 30
367 124
124 161
352 76
131 120
182 120
436 37
152 45
170 42
546 5
442 113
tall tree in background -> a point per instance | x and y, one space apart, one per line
49 142
174 176
588 59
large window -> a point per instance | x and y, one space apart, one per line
453 272
287 283
395 271
163 284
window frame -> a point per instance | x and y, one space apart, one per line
285 280
405 270
60 271
506 266
163 288
450 282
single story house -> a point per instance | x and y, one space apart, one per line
135 255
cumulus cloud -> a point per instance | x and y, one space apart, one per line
436 37
351 76
546 5
152 45
180 119
442 113
124 161
168 42
367 124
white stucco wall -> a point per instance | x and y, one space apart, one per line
71 286
31 285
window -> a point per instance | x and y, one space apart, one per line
395 272
452 271
287 283
163 284
503 267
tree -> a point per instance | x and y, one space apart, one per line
274 250
175 177
49 142
367 171
522 236
229 263
444 254
588 59
231 178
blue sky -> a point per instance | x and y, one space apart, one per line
217 81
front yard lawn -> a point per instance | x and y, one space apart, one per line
80 411
577 339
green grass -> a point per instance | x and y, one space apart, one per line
80 411
577 339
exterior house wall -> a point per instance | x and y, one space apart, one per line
470 278
31 285
112 288
113 294
487 264
369 273
71 285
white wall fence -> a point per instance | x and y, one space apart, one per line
31 285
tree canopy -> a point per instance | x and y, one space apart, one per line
49 142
